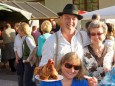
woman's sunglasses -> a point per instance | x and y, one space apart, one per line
69 66
96 34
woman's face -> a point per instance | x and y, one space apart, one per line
97 35
19 32
72 71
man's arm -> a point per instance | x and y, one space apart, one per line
86 39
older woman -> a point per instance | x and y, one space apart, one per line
97 57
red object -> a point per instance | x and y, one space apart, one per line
81 12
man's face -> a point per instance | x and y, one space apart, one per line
69 21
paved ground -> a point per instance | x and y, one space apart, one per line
7 78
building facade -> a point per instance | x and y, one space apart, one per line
87 5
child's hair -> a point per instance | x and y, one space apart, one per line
110 29
95 17
87 24
46 26
72 56
97 24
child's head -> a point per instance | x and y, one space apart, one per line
110 29
95 17
46 26
34 28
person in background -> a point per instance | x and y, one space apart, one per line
109 41
87 25
46 27
95 17
2 46
68 37
55 26
16 27
72 70
97 57
28 47
8 36
35 34
18 53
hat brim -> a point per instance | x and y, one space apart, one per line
78 16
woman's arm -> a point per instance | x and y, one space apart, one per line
17 57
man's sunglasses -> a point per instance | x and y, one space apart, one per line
69 66
96 34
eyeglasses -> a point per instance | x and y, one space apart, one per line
69 66
96 34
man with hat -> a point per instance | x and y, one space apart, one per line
68 38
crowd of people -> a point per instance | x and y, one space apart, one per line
81 57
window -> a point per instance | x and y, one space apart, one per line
87 5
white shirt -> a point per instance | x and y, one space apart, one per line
109 43
31 44
18 45
49 48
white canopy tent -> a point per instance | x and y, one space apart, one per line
105 13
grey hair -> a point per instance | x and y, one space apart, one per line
97 24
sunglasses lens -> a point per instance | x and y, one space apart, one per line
77 67
67 65
92 34
99 34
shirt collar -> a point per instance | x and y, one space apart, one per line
60 33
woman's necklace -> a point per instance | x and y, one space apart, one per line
98 50
98 53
